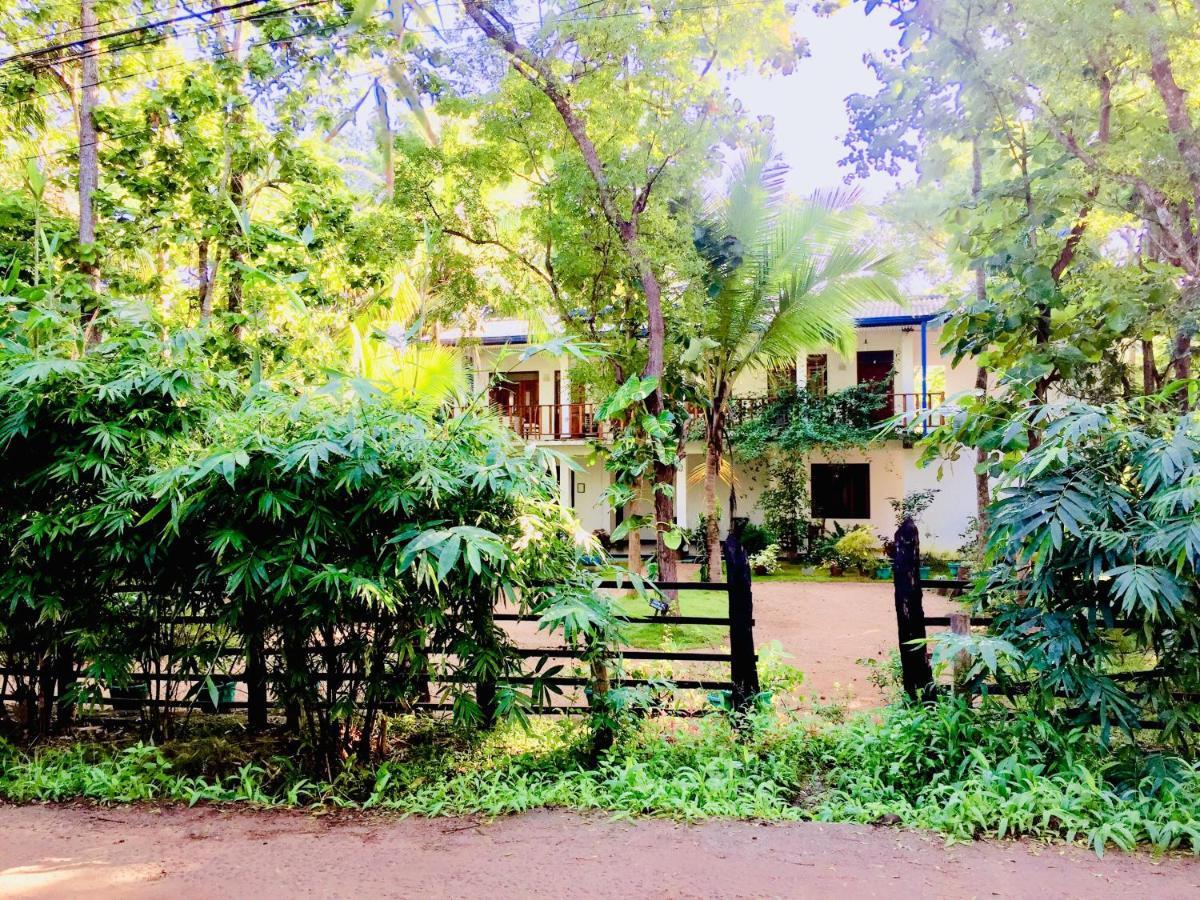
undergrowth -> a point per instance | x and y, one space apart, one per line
964 772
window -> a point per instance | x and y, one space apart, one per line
816 367
841 491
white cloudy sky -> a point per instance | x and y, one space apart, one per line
810 117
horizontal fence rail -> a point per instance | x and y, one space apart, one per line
256 678
912 625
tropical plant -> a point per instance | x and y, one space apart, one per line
766 560
913 504
1094 555
859 547
780 277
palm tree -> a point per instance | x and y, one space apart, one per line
387 344
780 278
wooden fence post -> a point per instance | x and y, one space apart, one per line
960 624
910 612
744 663
256 681
485 640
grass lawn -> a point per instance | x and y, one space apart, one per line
678 637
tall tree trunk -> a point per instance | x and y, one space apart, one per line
983 491
237 192
715 440
203 275
634 542
539 73
89 161
1149 369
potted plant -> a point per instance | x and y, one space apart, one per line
837 565
883 570
766 561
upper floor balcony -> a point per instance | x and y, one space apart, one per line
577 421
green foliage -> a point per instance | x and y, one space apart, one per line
797 421
756 538
362 540
859 547
784 502
989 772
766 560
967 773
1096 527
913 504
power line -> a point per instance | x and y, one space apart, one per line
83 42
159 37
75 28
153 70
270 13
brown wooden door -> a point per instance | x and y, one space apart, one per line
878 367
517 397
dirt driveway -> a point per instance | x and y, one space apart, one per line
49 852
826 628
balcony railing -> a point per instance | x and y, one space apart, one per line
912 406
553 421
577 421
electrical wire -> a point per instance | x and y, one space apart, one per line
154 70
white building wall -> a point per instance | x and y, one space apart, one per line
894 471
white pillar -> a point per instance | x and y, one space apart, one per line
801 370
906 367
681 511
564 398
566 496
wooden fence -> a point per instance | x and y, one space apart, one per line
247 670
912 627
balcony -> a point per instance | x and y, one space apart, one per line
911 407
553 421
577 421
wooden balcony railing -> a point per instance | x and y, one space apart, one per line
553 421
911 405
577 421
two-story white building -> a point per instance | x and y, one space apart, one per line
537 397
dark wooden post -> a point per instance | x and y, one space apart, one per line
910 612
256 681
744 664
485 644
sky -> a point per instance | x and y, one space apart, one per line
810 116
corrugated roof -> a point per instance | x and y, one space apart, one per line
915 308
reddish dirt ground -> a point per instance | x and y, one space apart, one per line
826 628
49 852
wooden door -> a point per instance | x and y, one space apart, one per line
517 398
527 405
878 367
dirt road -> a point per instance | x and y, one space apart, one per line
48 852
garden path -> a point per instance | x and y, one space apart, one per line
145 852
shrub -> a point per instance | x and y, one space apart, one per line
756 538
859 547
362 544
766 561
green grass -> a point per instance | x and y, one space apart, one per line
678 637
964 772
795 572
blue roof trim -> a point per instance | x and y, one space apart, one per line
881 321
492 340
